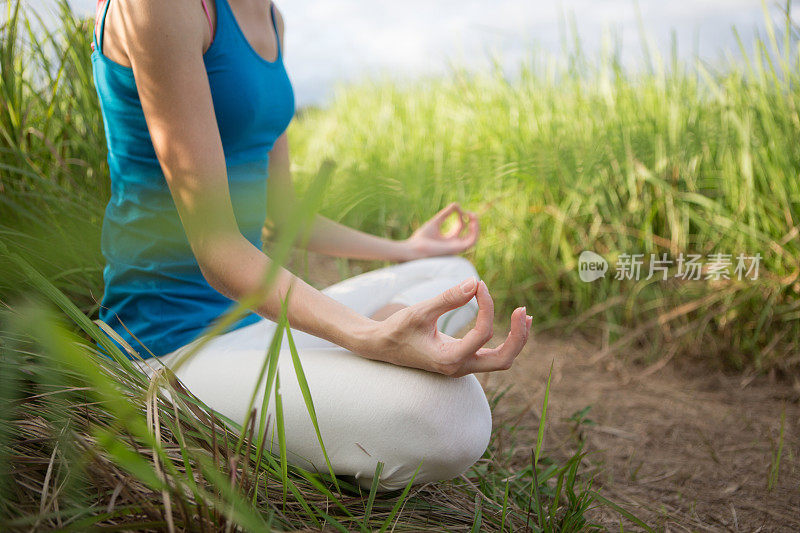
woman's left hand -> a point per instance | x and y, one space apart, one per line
429 240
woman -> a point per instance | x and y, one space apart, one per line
195 102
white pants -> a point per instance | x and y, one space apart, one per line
368 411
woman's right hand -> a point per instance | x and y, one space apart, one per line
409 337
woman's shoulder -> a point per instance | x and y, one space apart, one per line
151 27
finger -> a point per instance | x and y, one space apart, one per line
517 336
474 224
456 231
502 357
442 215
493 362
483 330
472 231
452 298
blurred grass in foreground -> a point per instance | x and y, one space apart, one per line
578 154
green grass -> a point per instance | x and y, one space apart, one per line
566 158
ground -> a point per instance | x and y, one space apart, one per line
683 445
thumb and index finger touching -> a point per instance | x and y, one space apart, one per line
466 219
459 295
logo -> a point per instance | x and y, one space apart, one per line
591 266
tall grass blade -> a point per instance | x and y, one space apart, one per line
306 391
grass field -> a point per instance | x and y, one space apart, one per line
577 154
580 155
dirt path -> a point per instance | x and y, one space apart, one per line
681 446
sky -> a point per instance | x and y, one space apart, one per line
330 42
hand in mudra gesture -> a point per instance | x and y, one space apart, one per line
409 337
429 240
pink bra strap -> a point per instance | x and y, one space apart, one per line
211 26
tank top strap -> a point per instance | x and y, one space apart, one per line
226 21
208 17
275 27
102 21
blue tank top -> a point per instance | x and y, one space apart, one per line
154 289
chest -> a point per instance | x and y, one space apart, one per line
252 104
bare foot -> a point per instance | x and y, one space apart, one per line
386 311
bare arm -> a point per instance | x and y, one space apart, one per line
335 239
326 236
164 45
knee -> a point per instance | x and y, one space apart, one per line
445 429
460 267
454 266
461 434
